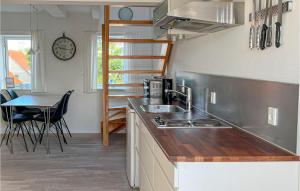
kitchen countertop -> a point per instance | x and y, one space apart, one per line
208 145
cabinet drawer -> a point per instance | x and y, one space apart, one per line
161 182
146 156
144 181
168 168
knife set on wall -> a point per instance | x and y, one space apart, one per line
262 23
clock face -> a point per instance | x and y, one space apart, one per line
125 13
64 48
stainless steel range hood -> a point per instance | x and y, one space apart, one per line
198 16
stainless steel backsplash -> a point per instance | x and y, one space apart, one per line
245 102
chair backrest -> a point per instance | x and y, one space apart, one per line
4 111
12 93
58 114
67 101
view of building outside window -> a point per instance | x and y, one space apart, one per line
116 49
18 62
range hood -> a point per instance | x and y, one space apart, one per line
198 16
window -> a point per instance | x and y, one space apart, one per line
18 60
115 64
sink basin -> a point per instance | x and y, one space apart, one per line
197 123
162 108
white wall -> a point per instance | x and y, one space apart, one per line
227 53
85 111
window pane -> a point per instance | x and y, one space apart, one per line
19 62
115 64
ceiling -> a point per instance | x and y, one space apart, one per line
18 8
86 2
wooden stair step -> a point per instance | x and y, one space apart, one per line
117 114
138 40
118 121
125 96
135 71
118 108
137 57
126 85
131 22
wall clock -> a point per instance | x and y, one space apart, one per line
64 48
125 13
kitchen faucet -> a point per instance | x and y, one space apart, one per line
185 92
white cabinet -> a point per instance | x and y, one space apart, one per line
157 173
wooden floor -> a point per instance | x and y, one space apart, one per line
85 165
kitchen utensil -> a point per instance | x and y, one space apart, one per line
278 24
252 37
258 28
270 30
264 29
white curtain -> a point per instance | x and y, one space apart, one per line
38 83
2 63
90 63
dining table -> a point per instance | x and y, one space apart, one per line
45 102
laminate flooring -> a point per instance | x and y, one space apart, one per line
85 165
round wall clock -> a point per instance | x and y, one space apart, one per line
64 48
125 13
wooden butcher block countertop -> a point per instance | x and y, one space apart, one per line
208 145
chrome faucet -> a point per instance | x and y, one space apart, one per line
186 92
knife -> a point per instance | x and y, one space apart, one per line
270 30
264 29
258 29
278 24
252 37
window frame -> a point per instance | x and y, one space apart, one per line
6 55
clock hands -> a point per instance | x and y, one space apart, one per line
64 48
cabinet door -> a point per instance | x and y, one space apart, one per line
144 181
161 182
146 156
136 136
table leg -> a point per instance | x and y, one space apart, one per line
48 129
9 117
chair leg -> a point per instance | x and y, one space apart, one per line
36 125
18 132
62 132
42 132
4 135
17 128
28 132
66 126
33 130
8 135
24 138
56 127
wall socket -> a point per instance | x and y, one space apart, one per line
213 97
273 116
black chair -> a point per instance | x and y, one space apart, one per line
18 119
55 118
63 121
23 110
66 110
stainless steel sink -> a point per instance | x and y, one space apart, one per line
162 108
197 123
